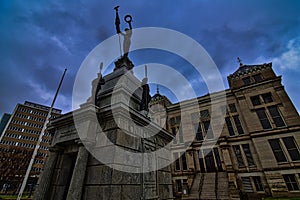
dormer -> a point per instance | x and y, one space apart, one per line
247 75
159 102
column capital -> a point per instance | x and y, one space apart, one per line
55 149
80 142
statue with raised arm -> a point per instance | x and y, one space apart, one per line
126 34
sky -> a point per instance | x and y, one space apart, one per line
39 39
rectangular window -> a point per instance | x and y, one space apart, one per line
198 132
248 154
263 118
277 150
178 120
257 183
178 185
290 181
238 124
204 114
229 126
276 116
238 155
201 162
292 148
180 135
209 160
177 163
232 108
247 81
174 135
185 187
267 97
257 77
172 121
218 160
206 126
208 130
184 163
247 184
255 100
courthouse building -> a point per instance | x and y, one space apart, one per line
257 153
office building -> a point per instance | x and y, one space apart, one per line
18 141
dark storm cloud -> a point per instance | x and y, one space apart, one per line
40 43
39 39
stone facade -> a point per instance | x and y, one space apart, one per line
111 124
257 153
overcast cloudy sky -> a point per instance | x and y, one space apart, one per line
38 39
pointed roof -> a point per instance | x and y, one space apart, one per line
159 98
245 69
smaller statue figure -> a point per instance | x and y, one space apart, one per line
96 86
146 93
239 61
100 82
145 96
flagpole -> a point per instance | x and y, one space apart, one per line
37 146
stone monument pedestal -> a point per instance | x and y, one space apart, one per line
113 125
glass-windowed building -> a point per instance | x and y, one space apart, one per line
17 143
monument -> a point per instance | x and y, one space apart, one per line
72 170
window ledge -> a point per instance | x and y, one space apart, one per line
283 163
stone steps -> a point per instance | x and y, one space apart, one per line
194 193
212 182
209 184
223 189
208 189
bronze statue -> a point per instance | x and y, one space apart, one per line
239 61
146 93
96 86
127 34
117 20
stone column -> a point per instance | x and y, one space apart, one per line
227 158
76 185
41 193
